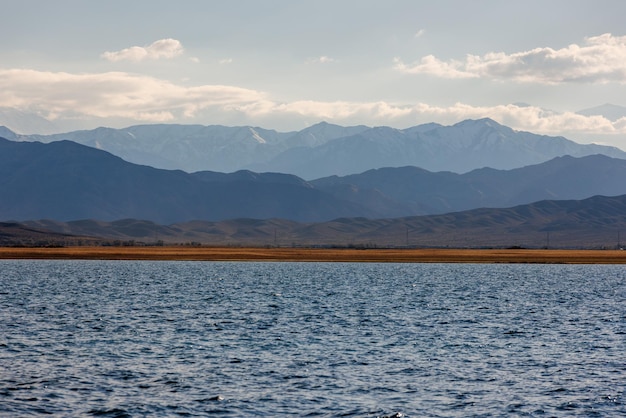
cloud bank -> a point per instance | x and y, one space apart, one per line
59 96
528 118
163 48
601 59
112 94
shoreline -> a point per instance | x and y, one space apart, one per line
166 253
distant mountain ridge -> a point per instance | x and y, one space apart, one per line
408 191
458 148
325 149
588 223
196 147
67 181
610 111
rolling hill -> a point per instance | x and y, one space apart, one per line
590 223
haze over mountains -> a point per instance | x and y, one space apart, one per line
609 111
413 191
24 122
67 181
324 149
64 181
379 176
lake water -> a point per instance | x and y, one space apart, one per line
129 338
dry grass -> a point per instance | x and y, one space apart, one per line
309 254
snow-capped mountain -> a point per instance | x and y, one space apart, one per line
187 147
196 147
459 148
325 149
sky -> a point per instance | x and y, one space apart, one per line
286 64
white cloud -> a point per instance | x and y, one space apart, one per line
601 59
335 111
164 48
433 66
419 33
113 94
527 118
321 60
64 96
225 61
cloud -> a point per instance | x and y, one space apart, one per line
112 95
433 66
63 96
225 61
164 48
332 111
527 118
601 59
419 33
321 60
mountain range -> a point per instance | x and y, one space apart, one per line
409 191
67 181
325 149
609 111
590 223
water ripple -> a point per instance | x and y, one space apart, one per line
118 339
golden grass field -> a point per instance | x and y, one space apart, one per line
314 254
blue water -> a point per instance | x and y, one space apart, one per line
112 338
